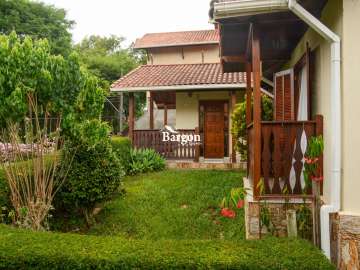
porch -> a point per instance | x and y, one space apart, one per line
263 45
201 99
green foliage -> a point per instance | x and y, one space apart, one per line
95 173
233 198
122 147
238 118
304 221
144 160
313 153
68 251
61 86
106 58
5 203
39 21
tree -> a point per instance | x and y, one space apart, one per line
39 21
109 60
62 87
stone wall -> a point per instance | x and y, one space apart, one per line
345 241
278 212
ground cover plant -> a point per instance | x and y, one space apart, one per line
144 161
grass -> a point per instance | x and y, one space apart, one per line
176 205
166 220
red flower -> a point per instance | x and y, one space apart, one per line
226 212
311 160
240 204
317 179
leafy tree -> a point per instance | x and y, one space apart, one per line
109 60
238 127
38 21
62 87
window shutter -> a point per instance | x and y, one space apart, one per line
284 96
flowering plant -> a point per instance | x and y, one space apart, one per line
235 200
313 153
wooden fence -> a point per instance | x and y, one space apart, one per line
153 139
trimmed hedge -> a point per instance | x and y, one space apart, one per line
21 249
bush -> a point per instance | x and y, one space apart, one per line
5 203
145 160
122 146
95 173
238 120
22 249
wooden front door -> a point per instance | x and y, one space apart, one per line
214 129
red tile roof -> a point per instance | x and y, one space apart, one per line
151 76
177 39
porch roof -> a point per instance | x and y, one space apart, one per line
179 77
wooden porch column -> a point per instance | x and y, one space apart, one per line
131 116
233 105
151 111
165 115
248 94
256 68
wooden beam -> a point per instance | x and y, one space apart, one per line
248 44
308 78
256 68
233 105
151 111
131 116
234 59
248 94
165 115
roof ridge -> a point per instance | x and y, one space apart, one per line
185 31
193 64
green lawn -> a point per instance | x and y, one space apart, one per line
173 205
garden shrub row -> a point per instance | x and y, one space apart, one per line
21 249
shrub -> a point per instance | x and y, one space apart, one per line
238 120
69 251
95 172
122 146
145 160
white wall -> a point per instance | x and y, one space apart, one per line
184 55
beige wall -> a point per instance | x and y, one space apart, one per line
332 17
187 107
351 106
184 55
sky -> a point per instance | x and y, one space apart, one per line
134 18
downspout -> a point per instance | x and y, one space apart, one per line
252 7
335 97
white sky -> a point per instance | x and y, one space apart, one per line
133 18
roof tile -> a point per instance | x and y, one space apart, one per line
177 39
178 75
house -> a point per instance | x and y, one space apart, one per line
310 51
183 76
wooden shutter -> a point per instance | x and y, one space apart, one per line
284 96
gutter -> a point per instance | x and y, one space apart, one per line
252 7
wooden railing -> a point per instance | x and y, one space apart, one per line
283 145
153 139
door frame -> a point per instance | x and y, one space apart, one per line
212 101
